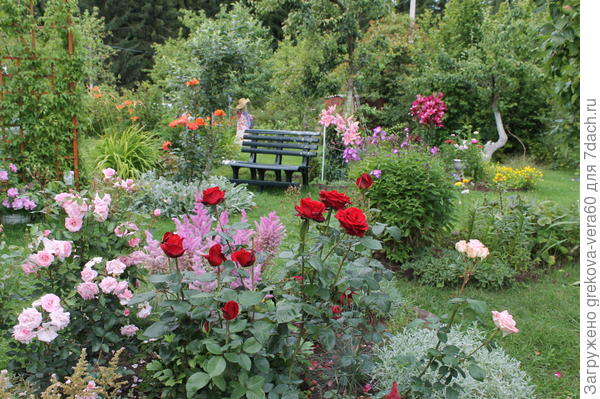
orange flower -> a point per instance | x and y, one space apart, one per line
134 118
208 118
166 145
97 95
192 126
200 121
120 106
219 112
127 102
192 82
181 121
130 110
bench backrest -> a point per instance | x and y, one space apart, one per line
280 143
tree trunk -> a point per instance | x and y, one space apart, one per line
492 146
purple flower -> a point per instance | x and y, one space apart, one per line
433 150
12 167
6 203
395 151
269 234
350 154
3 175
376 173
12 192
18 203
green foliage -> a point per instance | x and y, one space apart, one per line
129 152
227 54
178 198
43 92
442 267
503 376
414 194
526 235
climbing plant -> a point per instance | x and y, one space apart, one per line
41 95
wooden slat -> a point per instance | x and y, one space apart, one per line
264 183
280 145
266 166
279 152
300 139
282 132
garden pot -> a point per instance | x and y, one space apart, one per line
16 218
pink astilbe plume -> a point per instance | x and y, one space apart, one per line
270 232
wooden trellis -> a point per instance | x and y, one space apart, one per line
8 62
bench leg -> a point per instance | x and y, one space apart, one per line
305 178
236 172
288 175
253 174
278 175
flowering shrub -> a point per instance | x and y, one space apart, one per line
15 196
199 143
87 256
508 178
467 148
429 110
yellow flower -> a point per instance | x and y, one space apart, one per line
458 184
466 180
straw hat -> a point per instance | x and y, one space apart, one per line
242 103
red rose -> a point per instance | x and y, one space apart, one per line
346 297
215 255
212 196
231 310
393 393
172 245
311 209
364 181
449 141
336 311
243 257
353 220
333 199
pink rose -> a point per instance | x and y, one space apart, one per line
115 267
62 197
133 242
475 249
129 330
74 209
461 246
87 290
29 268
156 212
88 274
61 249
60 319
30 318
101 206
109 172
504 321
43 258
108 284
120 287
47 333
73 224
23 334
50 303
46 232
92 262
134 258
125 296
145 310
126 312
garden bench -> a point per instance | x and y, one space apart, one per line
279 143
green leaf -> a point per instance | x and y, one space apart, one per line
378 229
157 329
143 297
196 382
215 366
451 393
245 362
327 338
238 325
286 312
214 348
370 243
255 394
479 307
219 381
252 345
255 383
250 298
476 372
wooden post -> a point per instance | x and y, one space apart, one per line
74 121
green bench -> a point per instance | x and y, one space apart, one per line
280 143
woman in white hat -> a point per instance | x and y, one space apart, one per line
244 119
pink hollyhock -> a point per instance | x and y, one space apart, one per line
42 258
129 330
87 290
30 318
73 224
50 303
23 334
505 322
